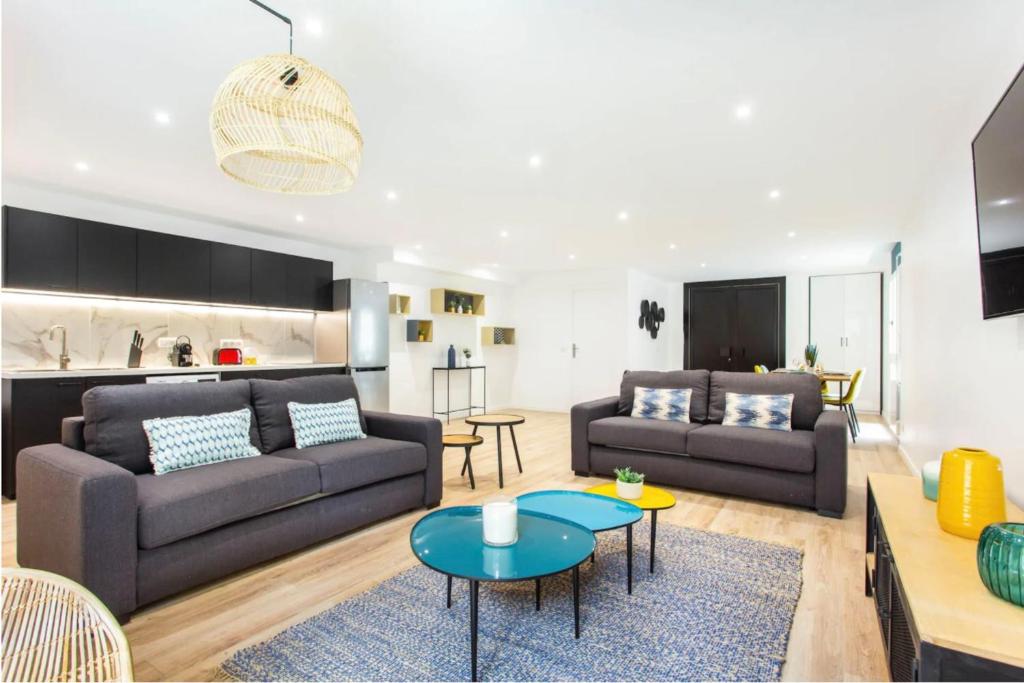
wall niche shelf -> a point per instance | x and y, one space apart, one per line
498 336
399 304
446 300
419 331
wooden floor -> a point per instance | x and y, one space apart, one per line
835 635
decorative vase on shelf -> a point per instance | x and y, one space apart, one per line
1001 561
971 494
451 356
930 479
459 309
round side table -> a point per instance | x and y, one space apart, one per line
498 420
466 441
653 499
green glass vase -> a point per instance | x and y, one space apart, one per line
1001 560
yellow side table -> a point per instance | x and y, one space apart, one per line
653 499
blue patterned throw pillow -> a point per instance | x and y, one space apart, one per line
318 423
763 411
177 443
662 404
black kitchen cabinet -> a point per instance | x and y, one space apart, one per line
173 267
270 278
106 259
230 274
323 285
281 373
306 283
40 250
33 410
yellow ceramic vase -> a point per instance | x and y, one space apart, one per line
971 494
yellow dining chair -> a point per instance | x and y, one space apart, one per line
845 403
758 370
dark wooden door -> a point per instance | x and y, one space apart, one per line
230 274
735 324
106 259
40 250
173 267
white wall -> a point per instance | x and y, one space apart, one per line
962 375
642 352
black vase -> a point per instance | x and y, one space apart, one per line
451 356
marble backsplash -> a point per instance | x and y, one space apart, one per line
100 332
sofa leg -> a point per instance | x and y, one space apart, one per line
579 473
431 506
830 513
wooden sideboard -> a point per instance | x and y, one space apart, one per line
938 621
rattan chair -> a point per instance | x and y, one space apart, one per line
56 630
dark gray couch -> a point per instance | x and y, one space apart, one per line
805 467
91 509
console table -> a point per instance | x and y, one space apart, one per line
938 621
447 412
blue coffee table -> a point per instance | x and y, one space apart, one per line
589 510
450 541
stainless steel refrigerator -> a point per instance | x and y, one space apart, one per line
356 334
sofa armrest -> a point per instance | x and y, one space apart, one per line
580 417
424 430
77 518
72 433
830 448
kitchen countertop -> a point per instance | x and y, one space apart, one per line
41 373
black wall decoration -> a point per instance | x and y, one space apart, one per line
651 317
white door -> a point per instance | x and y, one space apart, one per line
597 348
828 322
863 338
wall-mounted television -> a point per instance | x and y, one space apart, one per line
999 195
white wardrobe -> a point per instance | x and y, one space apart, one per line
846 324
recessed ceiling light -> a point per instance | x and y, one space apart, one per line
494 265
81 166
314 26
1003 202
572 257
504 233
419 247
703 265
536 161
775 194
791 233
744 112
162 117
299 218
623 215
672 246
391 196
803 257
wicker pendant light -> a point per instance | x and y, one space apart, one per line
281 124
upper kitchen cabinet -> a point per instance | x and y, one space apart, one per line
173 267
269 278
230 274
106 259
40 250
309 283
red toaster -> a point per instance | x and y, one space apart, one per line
227 356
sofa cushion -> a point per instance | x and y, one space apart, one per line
113 415
641 434
351 464
789 451
805 387
318 423
662 404
177 443
270 400
695 380
187 502
759 411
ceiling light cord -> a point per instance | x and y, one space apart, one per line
279 16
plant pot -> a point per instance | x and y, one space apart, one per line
629 491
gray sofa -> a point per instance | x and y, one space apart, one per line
91 509
805 467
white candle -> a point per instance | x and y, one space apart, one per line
501 525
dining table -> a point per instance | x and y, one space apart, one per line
841 377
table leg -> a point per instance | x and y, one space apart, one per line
593 555
469 464
654 532
449 591
536 591
474 595
576 597
475 427
515 447
629 559
501 475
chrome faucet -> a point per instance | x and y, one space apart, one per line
64 357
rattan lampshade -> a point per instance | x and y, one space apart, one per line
281 124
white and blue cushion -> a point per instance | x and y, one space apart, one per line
319 423
762 411
177 443
662 404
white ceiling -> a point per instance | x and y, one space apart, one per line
630 103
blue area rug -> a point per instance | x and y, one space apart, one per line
718 608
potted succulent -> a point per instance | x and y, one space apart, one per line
811 355
468 354
628 484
